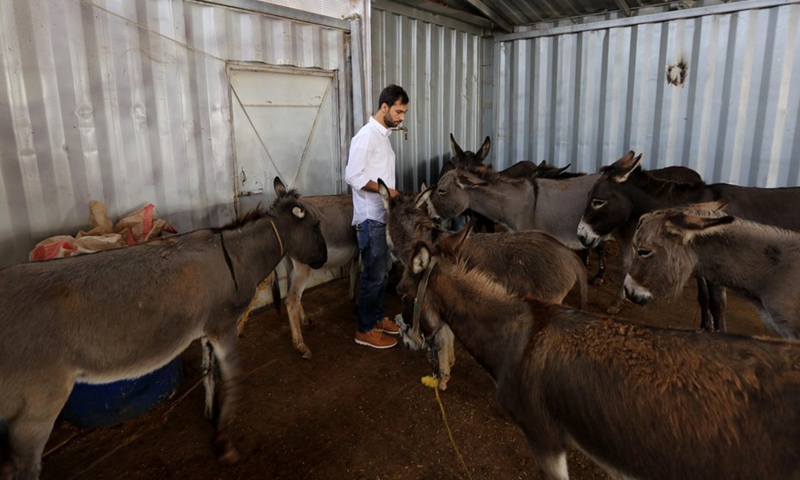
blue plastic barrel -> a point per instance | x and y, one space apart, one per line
101 405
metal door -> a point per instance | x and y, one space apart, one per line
285 123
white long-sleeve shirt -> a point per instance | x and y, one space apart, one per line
371 157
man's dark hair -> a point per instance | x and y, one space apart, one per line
391 94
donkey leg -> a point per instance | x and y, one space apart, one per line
227 355
28 433
445 355
599 277
706 322
553 465
294 306
210 378
27 438
717 301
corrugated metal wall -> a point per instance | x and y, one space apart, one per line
128 103
588 97
440 68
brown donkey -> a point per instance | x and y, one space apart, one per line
531 263
122 313
641 402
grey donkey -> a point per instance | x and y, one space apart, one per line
122 313
761 262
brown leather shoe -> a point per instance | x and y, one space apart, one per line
388 326
375 339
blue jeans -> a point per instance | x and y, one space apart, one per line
376 262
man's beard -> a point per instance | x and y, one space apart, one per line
387 119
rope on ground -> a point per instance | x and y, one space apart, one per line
433 383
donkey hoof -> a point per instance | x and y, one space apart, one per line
597 281
613 310
227 454
304 351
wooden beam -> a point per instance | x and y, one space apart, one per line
492 15
623 5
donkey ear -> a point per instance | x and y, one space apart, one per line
484 150
422 197
559 171
690 226
467 179
299 212
454 241
457 152
279 187
625 166
423 186
384 191
421 258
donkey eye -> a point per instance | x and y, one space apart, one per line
597 203
644 252
441 192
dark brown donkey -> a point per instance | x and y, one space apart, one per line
531 263
622 194
122 313
641 402
626 192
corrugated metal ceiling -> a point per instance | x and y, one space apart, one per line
508 15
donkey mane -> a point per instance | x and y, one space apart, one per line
242 220
492 176
475 279
717 210
658 187
293 193
257 213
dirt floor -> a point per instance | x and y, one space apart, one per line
349 413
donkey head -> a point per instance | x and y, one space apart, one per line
468 158
608 207
418 278
664 258
407 221
298 227
450 198
461 158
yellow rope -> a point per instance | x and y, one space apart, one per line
433 383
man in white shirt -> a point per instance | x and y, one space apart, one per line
371 158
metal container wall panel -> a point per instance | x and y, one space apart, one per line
439 67
587 98
96 107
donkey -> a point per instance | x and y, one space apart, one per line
625 192
523 203
641 402
528 169
335 215
466 158
122 313
759 261
540 267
